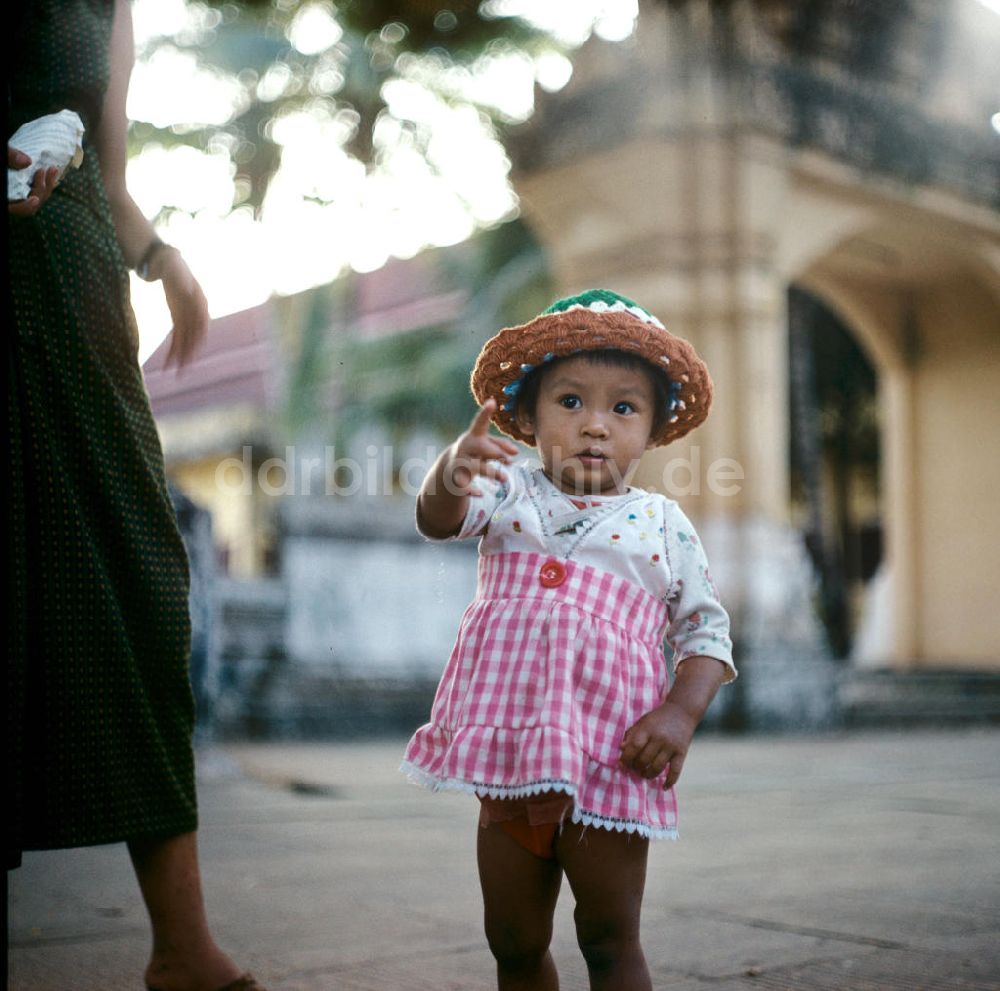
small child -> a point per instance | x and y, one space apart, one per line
555 707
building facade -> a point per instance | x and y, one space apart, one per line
810 193
730 158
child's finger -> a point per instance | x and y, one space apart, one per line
631 746
481 421
648 762
673 770
496 448
486 453
489 469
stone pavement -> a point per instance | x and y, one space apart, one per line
840 863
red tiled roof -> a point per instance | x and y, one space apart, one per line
397 282
241 364
403 295
236 364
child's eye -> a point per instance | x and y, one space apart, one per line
624 408
570 402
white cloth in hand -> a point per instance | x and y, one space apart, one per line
53 140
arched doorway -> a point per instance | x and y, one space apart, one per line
834 461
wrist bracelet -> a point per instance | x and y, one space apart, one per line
152 250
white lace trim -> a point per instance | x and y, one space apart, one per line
600 306
418 776
629 826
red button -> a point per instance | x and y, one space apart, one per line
552 574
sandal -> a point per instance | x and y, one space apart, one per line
244 983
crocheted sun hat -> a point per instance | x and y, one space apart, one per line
596 320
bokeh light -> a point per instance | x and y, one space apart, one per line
324 212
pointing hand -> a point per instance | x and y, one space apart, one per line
478 452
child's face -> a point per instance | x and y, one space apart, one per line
591 425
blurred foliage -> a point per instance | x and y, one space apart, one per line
248 43
416 379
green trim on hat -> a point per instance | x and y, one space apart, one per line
588 297
602 301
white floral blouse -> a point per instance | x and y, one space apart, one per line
640 536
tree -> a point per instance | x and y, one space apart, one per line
336 61
345 63
414 380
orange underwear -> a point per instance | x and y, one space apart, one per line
533 823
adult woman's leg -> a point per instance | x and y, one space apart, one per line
520 892
185 957
607 873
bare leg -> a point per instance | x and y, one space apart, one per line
607 872
185 956
520 892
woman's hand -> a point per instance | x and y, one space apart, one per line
42 184
187 304
477 452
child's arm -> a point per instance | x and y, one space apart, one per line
444 496
662 737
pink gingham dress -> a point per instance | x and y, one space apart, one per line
561 650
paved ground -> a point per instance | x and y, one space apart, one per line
844 863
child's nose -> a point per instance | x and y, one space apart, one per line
595 426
